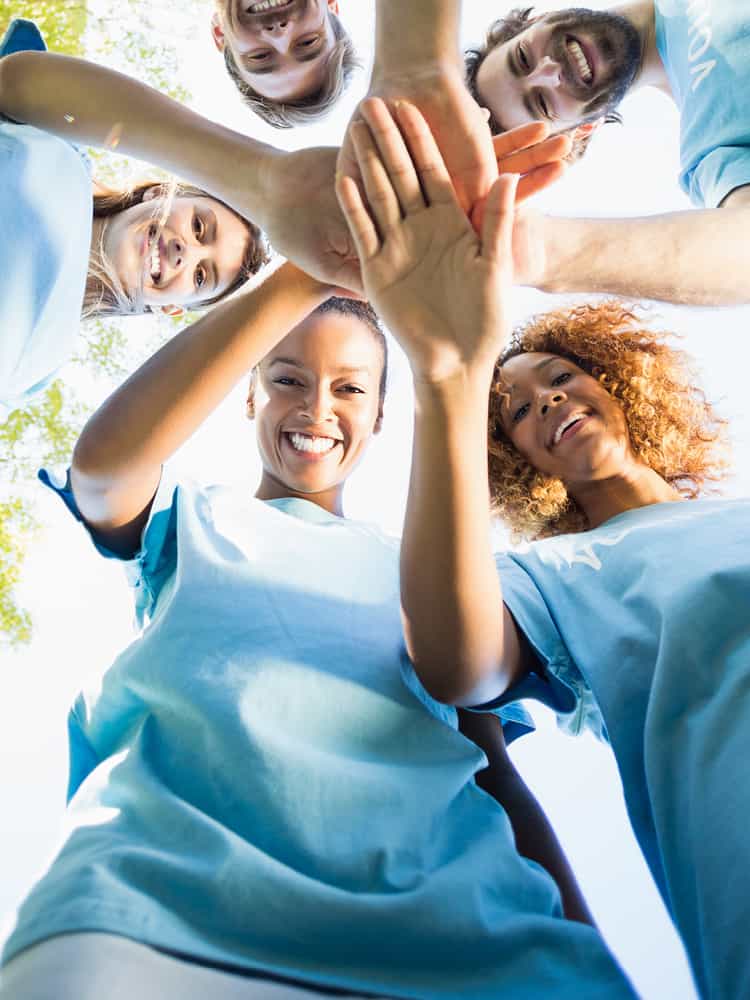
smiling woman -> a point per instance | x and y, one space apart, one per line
165 246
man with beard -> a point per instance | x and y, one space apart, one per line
572 68
290 59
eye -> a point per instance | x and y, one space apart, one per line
355 389
200 277
523 59
286 380
259 56
305 43
561 378
199 227
544 107
520 413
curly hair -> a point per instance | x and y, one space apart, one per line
673 428
340 66
500 31
105 296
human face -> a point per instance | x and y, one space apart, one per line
563 421
568 68
192 255
281 47
316 407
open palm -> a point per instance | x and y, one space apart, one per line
438 286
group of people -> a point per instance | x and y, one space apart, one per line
294 782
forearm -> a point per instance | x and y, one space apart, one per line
414 35
450 590
695 257
532 830
89 104
163 403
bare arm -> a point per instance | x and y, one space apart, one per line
693 257
289 195
426 35
443 292
118 458
533 832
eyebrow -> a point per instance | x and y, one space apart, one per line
342 368
537 367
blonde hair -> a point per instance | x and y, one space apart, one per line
673 428
105 295
340 65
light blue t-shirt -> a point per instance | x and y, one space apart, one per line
644 628
705 48
261 780
46 208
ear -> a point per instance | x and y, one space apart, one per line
172 310
378 421
217 32
584 131
333 6
250 404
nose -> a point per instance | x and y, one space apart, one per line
546 73
548 400
176 253
317 405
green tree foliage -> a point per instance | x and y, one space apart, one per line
140 38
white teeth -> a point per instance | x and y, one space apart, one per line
564 426
259 8
317 445
155 263
581 61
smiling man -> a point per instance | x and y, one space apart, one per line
290 59
572 68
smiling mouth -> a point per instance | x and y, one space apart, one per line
569 427
310 444
579 61
265 5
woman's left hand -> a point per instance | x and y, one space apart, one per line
440 288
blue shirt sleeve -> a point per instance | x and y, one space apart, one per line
156 559
22 36
558 683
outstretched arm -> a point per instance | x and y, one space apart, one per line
533 832
443 293
289 195
118 458
693 257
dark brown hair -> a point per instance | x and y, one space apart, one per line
499 32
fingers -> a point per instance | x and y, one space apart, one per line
394 155
433 174
519 138
499 213
539 179
361 225
385 210
524 160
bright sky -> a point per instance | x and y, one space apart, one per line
82 610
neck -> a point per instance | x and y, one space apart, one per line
637 486
273 489
642 15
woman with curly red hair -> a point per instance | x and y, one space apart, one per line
628 610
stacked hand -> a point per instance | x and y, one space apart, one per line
440 287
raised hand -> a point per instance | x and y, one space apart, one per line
439 287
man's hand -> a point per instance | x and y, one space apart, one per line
455 119
440 289
302 218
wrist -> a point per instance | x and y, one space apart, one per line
466 386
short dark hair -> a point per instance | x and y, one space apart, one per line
499 32
340 65
364 312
